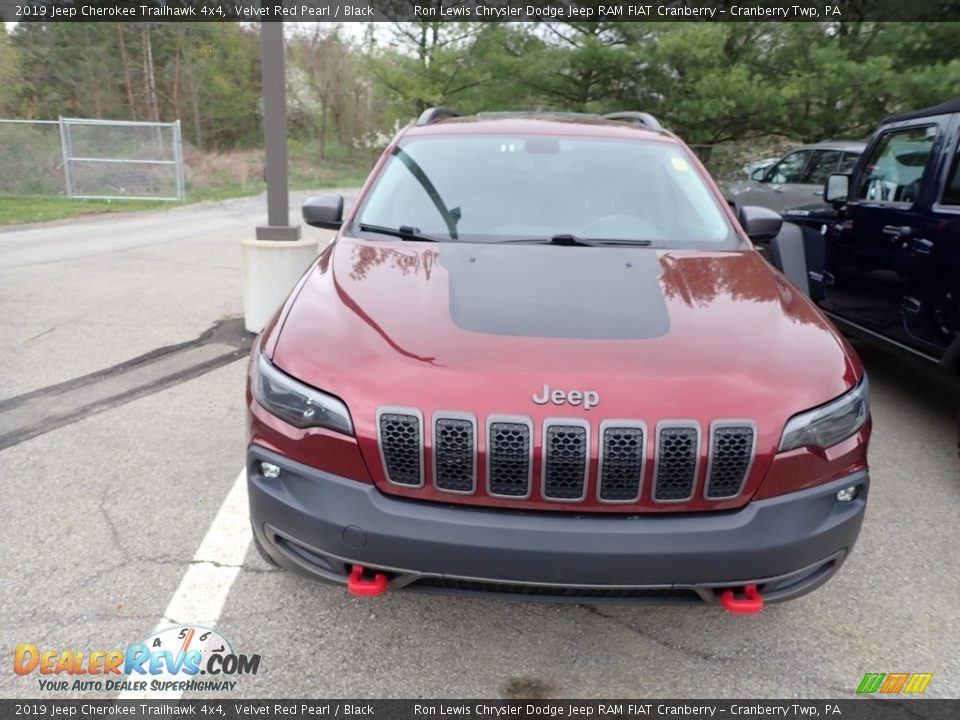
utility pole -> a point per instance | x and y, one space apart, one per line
275 135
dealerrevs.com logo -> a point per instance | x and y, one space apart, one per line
169 660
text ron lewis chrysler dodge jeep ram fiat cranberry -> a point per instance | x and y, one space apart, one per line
543 360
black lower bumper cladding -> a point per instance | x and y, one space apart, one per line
340 531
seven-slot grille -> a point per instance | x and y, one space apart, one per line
565 465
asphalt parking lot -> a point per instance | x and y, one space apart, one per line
121 512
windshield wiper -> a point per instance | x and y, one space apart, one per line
621 241
451 216
568 239
404 232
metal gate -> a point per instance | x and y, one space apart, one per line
122 160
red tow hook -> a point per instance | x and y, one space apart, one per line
751 604
363 587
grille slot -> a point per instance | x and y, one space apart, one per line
622 452
566 451
732 445
454 452
401 445
678 454
509 456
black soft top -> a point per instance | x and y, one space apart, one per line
950 106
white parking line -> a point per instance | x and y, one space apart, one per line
205 586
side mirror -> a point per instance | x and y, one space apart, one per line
761 224
324 211
837 189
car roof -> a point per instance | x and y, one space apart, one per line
540 123
857 146
944 108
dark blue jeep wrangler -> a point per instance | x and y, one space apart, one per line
882 256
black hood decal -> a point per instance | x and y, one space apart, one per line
608 293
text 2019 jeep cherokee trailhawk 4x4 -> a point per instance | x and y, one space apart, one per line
543 360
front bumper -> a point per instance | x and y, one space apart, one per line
320 524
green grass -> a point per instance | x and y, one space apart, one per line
332 174
17 210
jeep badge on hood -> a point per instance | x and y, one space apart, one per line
589 398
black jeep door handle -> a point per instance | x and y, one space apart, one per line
897 231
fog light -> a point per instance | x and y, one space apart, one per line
269 470
848 494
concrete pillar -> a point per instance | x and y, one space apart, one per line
270 270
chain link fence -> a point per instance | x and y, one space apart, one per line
92 159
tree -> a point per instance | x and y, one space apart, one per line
830 85
710 82
9 72
428 63
704 84
204 73
326 84
581 66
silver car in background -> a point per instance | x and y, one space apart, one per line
797 178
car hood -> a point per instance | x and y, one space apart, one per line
483 327
737 187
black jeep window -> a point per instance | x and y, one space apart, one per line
790 169
951 191
491 188
895 167
822 165
848 162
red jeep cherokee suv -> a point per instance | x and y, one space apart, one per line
543 360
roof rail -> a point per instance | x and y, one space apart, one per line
431 115
640 118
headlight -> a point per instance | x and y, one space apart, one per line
296 403
827 425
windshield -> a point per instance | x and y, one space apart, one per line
508 188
